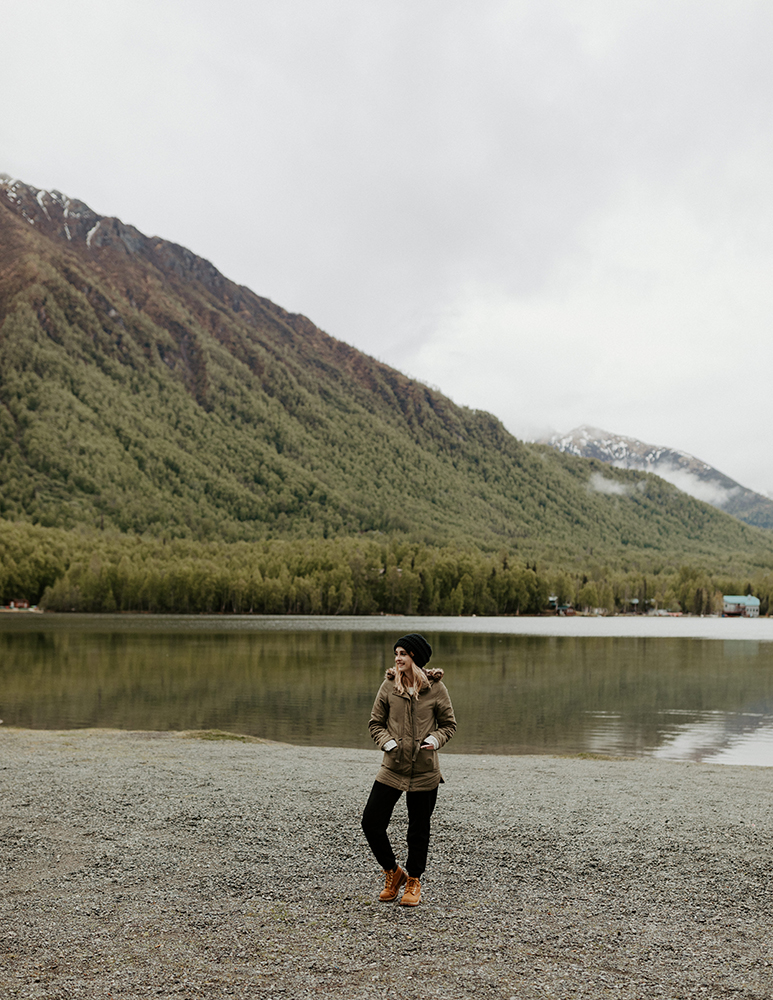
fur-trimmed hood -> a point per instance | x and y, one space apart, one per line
433 673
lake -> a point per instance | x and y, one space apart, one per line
677 688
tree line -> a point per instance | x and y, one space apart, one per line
91 571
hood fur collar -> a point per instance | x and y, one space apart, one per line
433 673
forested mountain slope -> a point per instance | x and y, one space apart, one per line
141 390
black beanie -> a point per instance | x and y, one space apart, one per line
418 646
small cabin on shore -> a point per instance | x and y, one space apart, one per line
17 606
734 606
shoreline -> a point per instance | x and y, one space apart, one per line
138 864
548 626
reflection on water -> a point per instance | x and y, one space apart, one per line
717 736
720 738
627 695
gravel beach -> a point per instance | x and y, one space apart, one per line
157 864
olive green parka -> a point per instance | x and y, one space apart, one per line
410 721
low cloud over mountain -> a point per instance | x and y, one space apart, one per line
687 473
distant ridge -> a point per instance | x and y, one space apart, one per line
684 471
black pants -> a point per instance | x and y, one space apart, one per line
376 817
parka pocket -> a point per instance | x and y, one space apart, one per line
426 761
391 757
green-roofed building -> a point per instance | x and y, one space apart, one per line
743 606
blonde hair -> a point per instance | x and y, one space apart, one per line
414 677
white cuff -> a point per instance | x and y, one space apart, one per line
433 740
389 745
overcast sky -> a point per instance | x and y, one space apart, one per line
556 211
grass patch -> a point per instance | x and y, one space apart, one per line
220 734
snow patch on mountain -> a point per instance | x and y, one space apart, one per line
50 211
55 214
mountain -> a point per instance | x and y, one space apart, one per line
144 392
684 471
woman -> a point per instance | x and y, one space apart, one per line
412 718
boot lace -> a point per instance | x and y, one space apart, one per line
390 876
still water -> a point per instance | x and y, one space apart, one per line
686 689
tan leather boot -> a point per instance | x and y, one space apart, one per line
412 894
394 880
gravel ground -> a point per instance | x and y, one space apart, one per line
156 864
